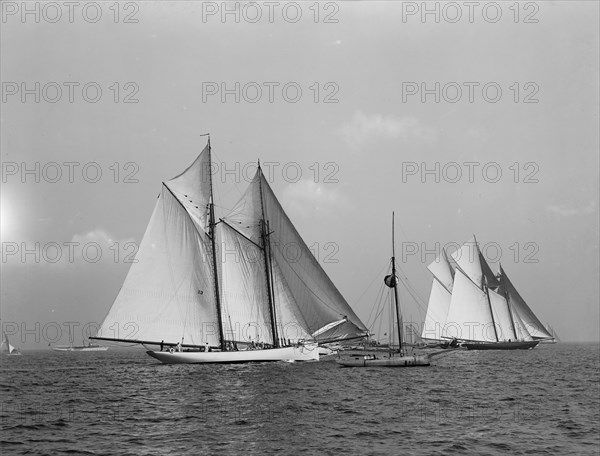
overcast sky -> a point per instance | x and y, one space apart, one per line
478 121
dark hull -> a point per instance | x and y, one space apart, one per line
524 345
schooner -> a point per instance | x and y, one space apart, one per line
239 289
482 311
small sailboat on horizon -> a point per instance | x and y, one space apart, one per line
6 348
243 288
394 357
472 307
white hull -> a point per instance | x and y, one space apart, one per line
394 361
306 352
79 349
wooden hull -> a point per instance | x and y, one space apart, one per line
523 345
394 361
306 352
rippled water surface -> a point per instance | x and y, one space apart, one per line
542 401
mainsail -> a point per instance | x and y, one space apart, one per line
304 297
469 316
248 278
168 294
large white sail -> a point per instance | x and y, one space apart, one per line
467 259
244 300
168 293
439 298
534 326
442 271
437 312
303 293
469 315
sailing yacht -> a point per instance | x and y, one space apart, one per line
471 306
79 348
394 358
5 346
239 289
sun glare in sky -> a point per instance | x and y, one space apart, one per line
5 219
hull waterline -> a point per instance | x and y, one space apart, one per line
394 361
524 345
307 352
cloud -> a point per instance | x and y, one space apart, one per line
365 128
307 197
564 211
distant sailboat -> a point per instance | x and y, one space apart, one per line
6 348
552 332
78 348
479 310
242 289
394 358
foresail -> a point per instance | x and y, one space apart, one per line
168 293
244 300
532 323
502 318
304 294
469 316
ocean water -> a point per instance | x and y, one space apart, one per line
122 402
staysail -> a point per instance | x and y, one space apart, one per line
533 325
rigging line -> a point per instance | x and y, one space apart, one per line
234 180
380 304
375 309
240 233
379 274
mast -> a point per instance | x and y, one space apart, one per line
485 288
214 255
264 233
512 319
395 282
